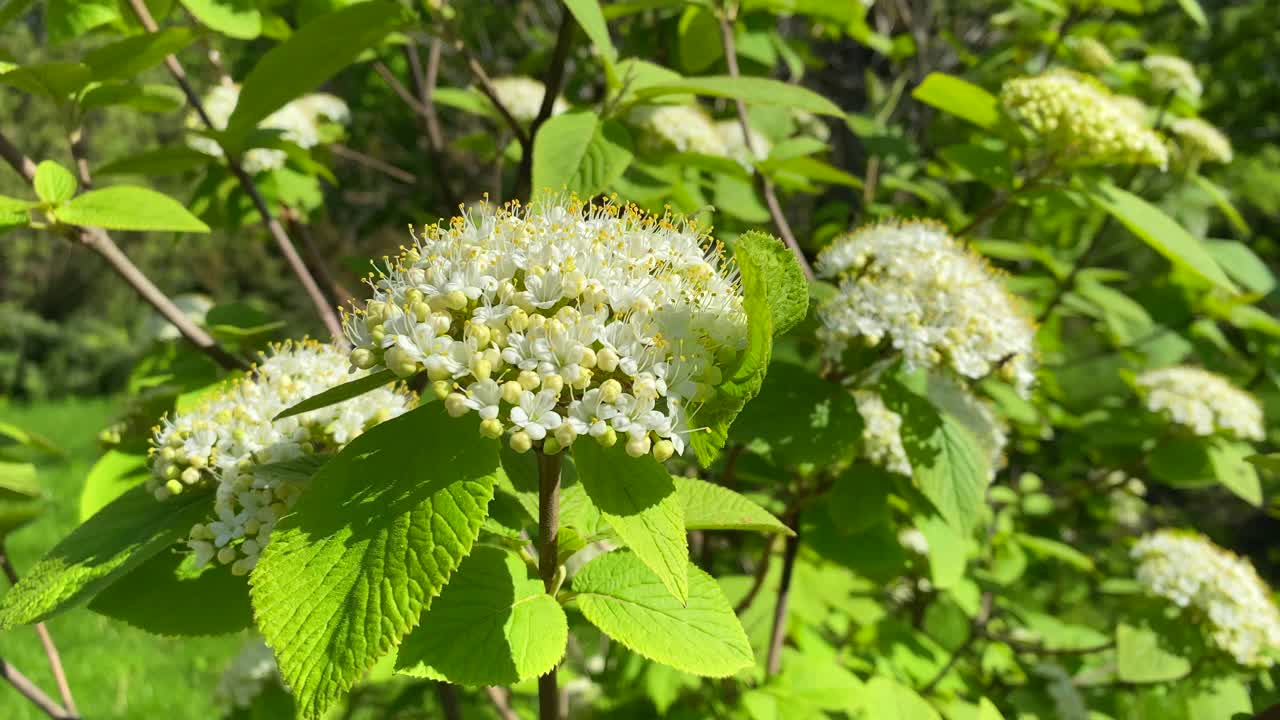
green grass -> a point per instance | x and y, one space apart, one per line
115 671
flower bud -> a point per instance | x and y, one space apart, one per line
455 403
609 438
481 368
521 442
441 389
638 445
607 360
528 379
553 382
226 555
663 450
511 392
399 362
491 428
363 358
190 476
610 390
455 300
565 434
551 446
174 487
518 320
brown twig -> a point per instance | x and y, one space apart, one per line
757 580
97 240
340 294
448 697
291 256
374 163
33 693
424 107
549 564
766 185
552 82
50 650
779 633
501 702
485 84
80 152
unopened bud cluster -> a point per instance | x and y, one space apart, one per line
1079 121
1170 73
1201 142
1202 402
558 320
224 440
1093 55
928 298
683 128
522 97
299 121
1222 590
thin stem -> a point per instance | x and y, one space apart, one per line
757 580
424 106
548 564
1003 199
501 702
554 79
80 152
779 633
976 629
339 293
327 313
50 650
766 185
33 693
448 697
486 87
374 163
97 240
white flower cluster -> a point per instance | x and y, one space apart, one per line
1200 141
1092 54
735 143
683 128
882 433
1173 74
246 676
936 303
1080 122
560 319
299 122
1224 589
223 440
522 97
1202 402
913 541
807 124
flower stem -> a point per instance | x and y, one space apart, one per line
779 633
548 564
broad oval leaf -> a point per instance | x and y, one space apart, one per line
591 19
577 152
708 506
754 90
109 478
1145 655
492 625
959 97
125 207
124 59
166 595
375 537
239 19
54 184
620 595
340 393
639 500
161 161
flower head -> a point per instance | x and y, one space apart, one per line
560 319
224 441
522 97
736 144
882 433
1202 402
248 673
1093 54
1079 121
1222 589
299 122
932 300
683 128
1173 74
1200 141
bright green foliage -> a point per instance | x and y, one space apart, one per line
234 18
124 59
1143 656
561 161
342 392
622 597
492 625
960 98
708 506
122 536
129 208
756 90
377 535
589 16
111 476
891 700
638 498
163 161
160 594
809 686
54 184
800 420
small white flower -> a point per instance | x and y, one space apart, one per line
683 128
591 415
1173 74
522 97
536 413
1202 402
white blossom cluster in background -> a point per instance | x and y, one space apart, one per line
1202 402
522 97
1201 142
683 128
913 541
246 676
1222 588
230 434
1092 54
882 433
735 143
299 121
912 286
1169 73
560 319
1080 122
1126 499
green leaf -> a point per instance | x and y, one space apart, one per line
708 506
591 19
754 90
1195 12
144 98
123 535
639 500
698 39
69 19
161 161
810 169
18 481
775 297
948 551
799 419
1143 656
310 56
1052 549
340 393
888 699
109 478
124 59
8 431
959 97
492 625
1161 232
166 595
990 166
950 466
1242 265
54 183
55 80
239 19
125 207
1220 198
376 536
620 595
1231 466
577 152
1219 697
